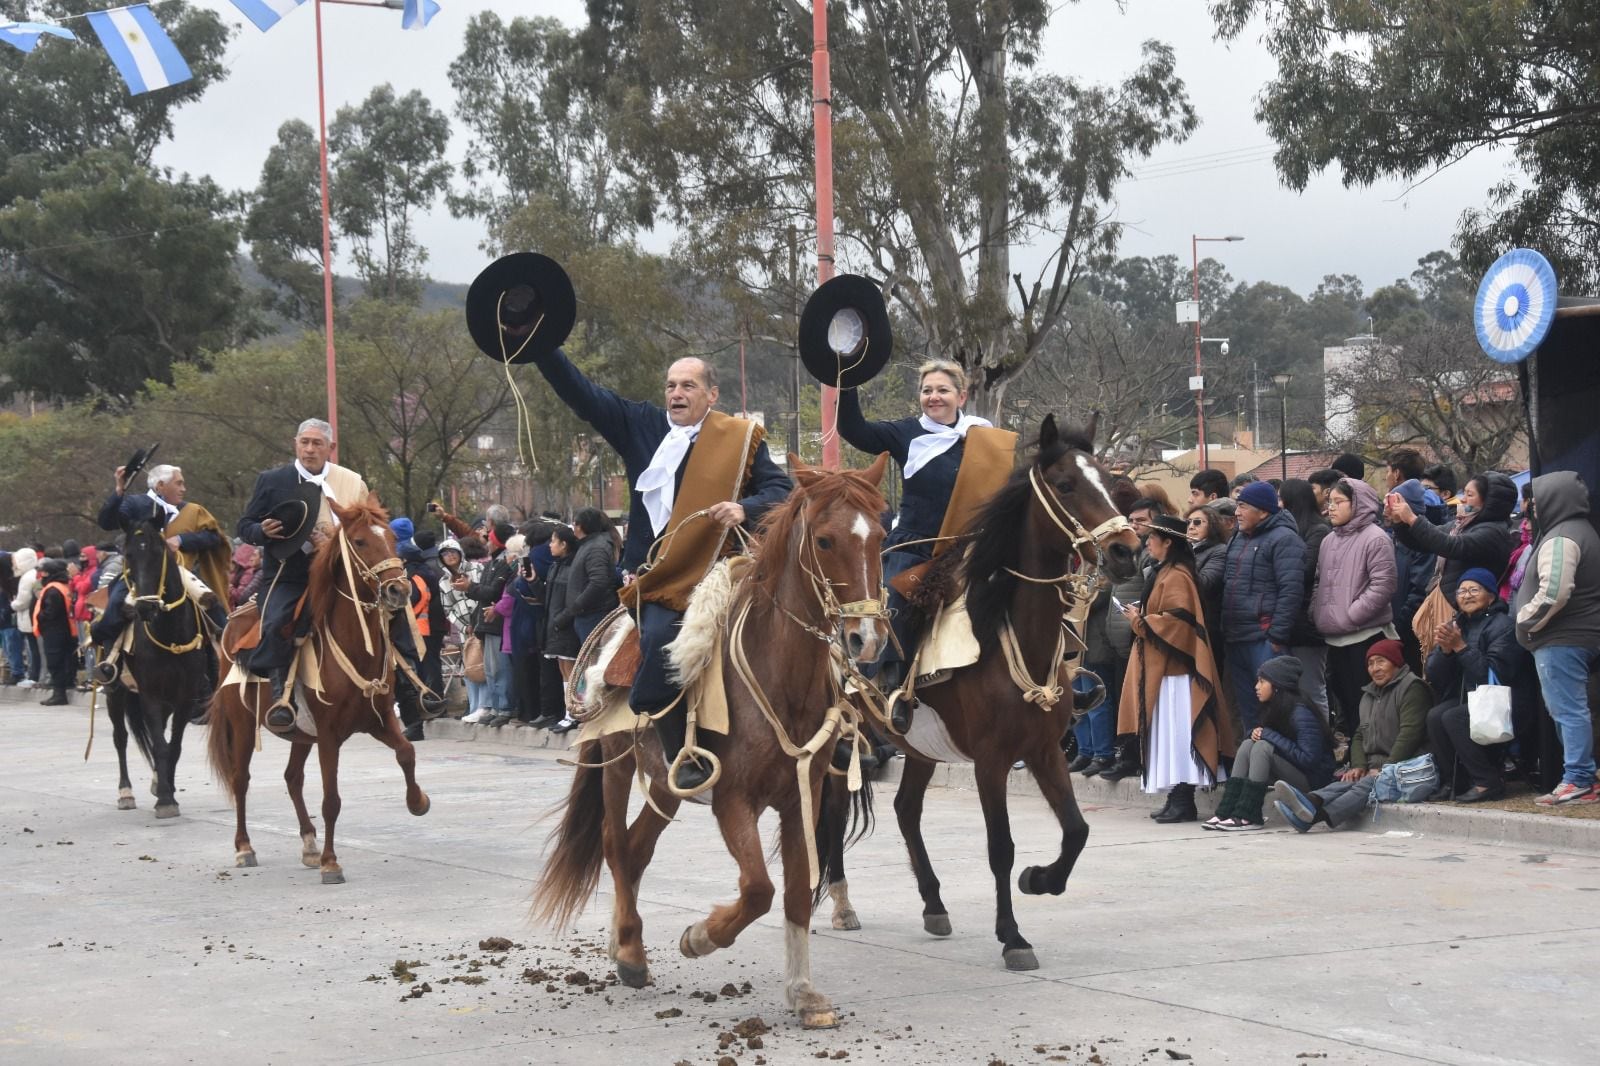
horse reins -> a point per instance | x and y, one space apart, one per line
166 606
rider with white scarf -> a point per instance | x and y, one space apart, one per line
929 449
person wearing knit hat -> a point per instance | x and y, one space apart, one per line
1262 595
403 531
1394 727
1477 647
1293 743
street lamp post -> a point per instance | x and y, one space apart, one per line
1282 381
1199 384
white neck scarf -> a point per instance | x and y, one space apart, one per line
658 483
319 480
937 440
172 512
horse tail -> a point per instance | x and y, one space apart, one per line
845 818
573 870
219 746
137 725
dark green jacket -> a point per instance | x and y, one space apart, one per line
1394 722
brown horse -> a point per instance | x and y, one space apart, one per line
357 583
1020 583
804 603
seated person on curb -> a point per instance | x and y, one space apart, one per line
1293 743
1480 639
1393 728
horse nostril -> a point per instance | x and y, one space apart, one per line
854 643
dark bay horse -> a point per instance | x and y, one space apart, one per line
357 583
167 663
810 598
1053 518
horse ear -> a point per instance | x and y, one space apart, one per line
874 473
1048 435
802 474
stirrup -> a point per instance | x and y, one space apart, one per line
105 672
697 755
898 707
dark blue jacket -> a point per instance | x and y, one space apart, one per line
1413 566
273 487
1491 639
635 429
924 497
1264 584
1486 541
1308 749
127 511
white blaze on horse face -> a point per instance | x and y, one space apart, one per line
861 529
1092 474
378 531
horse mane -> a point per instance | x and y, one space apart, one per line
995 538
777 528
326 569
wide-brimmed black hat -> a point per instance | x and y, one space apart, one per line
299 517
1169 525
137 462
521 307
845 336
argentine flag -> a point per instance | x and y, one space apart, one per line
417 13
266 13
24 36
141 50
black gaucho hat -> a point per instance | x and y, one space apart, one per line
298 514
845 336
1170 526
137 462
521 307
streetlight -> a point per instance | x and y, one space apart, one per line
1282 381
1198 383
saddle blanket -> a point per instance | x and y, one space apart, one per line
304 692
705 693
949 643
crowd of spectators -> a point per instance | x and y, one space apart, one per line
1351 627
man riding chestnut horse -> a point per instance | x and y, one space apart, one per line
694 472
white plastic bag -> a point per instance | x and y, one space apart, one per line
1489 707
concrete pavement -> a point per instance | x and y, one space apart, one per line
130 940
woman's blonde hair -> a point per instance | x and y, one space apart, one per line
946 367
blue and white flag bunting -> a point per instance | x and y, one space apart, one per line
266 13
417 14
139 48
24 36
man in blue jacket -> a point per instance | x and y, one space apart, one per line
668 467
1262 591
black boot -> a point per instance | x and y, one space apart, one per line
1180 807
405 694
1127 764
57 697
670 728
1161 812
280 716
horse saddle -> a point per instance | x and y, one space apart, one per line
243 631
624 665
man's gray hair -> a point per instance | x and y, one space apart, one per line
316 423
161 473
496 513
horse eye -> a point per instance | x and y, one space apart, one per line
825 543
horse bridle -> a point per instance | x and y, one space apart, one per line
1078 535
834 612
166 606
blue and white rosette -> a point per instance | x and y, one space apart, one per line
1515 306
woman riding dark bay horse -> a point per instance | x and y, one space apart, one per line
346 686
807 606
166 662
1035 548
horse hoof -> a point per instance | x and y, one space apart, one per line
1034 881
421 808
633 976
1020 959
819 1018
846 920
245 858
166 810
311 860
696 943
937 924
125 803
333 877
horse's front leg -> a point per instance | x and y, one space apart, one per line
116 709
1049 768
167 768
815 1009
160 759
991 774
737 819
328 759
914 779
405 754
294 776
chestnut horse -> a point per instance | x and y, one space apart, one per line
1052 518
808 603
357 583
167 662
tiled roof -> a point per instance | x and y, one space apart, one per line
1300 465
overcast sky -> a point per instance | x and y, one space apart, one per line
1221 181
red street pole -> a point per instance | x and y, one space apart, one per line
327 248
822 121
1199 394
